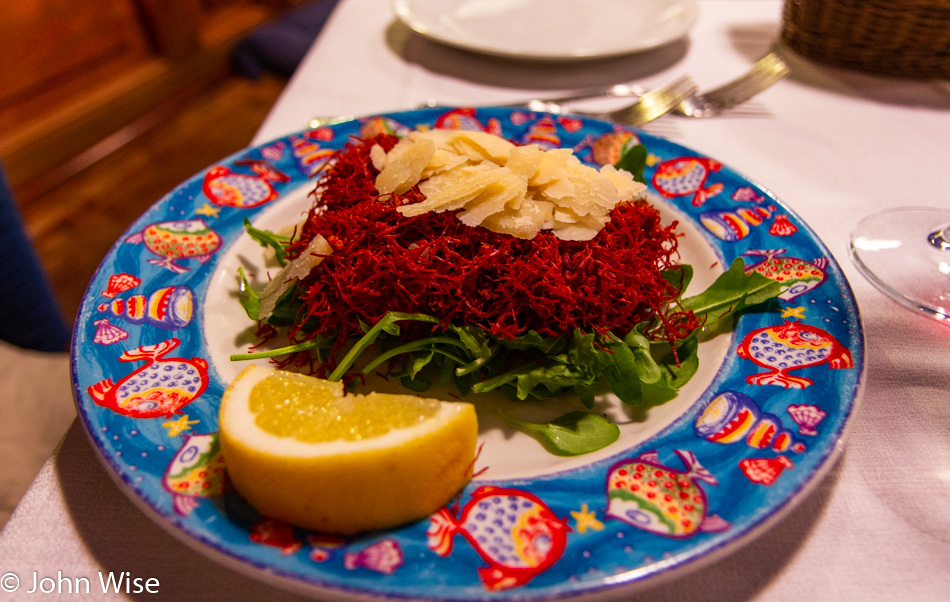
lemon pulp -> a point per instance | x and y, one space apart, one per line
310 410
300 449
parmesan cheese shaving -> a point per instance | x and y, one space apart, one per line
298 269
516 190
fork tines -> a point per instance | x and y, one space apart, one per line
766 71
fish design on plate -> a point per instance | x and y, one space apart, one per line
277 534
465 119
686 176
608 148
161 387
174 241
168 308
309 156
512 530
732 416
225 187
791 346
796 276
736 224
542 132
377 126
661 500
197 471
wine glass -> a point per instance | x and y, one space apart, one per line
905 252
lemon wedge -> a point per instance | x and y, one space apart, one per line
300 449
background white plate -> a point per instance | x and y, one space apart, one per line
550 29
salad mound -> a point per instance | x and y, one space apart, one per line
537 317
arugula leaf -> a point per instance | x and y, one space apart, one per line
646 366
586 394
676 371
679 277
423 350
250 300
733 291
622 374
572 434
266 238
315 343
533 340
417 385
634 160
385 324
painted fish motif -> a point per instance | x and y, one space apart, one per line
197 471
225 187
309 156
731 417
796 276
161 387
731 226
277 534
376 126
542 132
464 119
651 496
512 530
177 240
685 176
791 346
607 148
168 308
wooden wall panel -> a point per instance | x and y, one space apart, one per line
73 72
45 43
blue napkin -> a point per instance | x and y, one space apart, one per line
279 46
29 314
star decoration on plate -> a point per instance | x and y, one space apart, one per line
208 210
177 427
794 312
586 519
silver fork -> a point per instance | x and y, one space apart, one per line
649 106
766 71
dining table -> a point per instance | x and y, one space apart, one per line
834 145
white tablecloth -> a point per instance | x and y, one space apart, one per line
831 144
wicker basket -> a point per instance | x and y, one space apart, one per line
905 38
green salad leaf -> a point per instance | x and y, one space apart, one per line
572 434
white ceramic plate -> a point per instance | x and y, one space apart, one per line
550 29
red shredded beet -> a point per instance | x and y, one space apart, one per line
383 261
